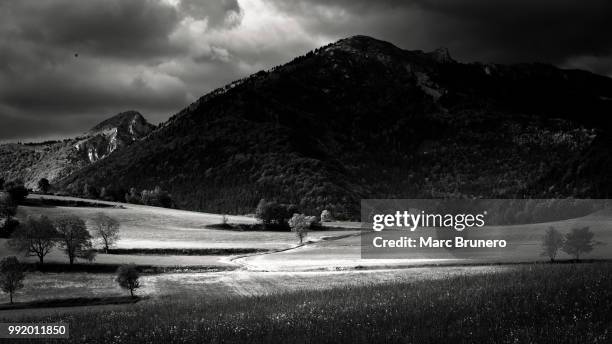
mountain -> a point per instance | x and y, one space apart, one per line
55 160
362 118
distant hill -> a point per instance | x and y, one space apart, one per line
58 159
362 118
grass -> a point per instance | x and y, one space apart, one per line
560 303
182 251
112 268
51 202
71 302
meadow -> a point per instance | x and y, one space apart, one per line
203 283
522 304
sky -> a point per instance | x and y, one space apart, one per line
66 65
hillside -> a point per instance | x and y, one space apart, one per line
58 159
361 118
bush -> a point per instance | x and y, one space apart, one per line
8 227
17 190
273 214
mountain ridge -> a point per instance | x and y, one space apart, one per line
362 118
54 160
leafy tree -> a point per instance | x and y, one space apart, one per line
300 224
156 197
551 243
326 216
273 213
90 191
74 238
578 241
133 197
128 277
17 190
107 229
43 185
11 275
36 237
8 209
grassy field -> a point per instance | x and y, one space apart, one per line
524 245
526 304
223 284
150 228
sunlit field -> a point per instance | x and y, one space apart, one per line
322 291
220 285
562 303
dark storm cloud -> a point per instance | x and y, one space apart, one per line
66 65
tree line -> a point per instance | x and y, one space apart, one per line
38 235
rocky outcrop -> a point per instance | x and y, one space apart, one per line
55 160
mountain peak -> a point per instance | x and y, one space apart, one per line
122 119
363 43
442 55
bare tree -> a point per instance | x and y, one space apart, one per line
75 239
551 243
11 275
578 241
107 229
36 237
128 278
299 224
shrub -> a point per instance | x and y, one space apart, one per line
17 190
44 185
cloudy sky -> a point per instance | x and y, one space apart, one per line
67 64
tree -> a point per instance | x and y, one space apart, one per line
11 275
8 209
1 183
578 241
37 236
326 216
551 243
90 191
128 277
133 196
300 224
17 190
271 212
156 197
107 229
74 238
43 185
